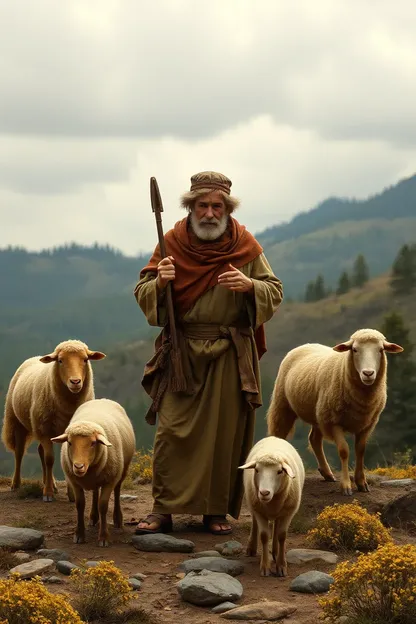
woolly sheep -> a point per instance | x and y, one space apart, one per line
337 391
41 401
99 445
274 476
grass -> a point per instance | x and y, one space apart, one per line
7 559
30 489
34 522
135 615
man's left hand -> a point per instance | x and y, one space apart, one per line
235 280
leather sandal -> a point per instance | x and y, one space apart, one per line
164 521
209 521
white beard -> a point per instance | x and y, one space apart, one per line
209 229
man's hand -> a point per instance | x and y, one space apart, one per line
235 280
165 272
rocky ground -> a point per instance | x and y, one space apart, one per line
165 581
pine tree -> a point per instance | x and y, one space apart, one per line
343 284
320 292
360 272
403 277
310 292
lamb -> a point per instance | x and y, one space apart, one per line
337 391
99 445
273 482
41 400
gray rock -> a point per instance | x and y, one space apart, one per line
91 564
159 542
397 482
22 556
209 588
54 553
213 564
20 539
304 555
33 568
223 607
230 549
134 583
312 582
127 497
139 576
53 580
206 553
265 611
65 567
401 512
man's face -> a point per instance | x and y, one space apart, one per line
209 216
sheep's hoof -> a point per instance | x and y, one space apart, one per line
251 552
47 498
15 486
281 570
347 491
363 487
93 521
265 572
103 543
79 539
327 476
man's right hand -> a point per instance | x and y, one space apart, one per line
165 271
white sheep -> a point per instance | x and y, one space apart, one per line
336 390
41 400
99 445
274 476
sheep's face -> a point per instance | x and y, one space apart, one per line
269 478
72 365
368 353
82 450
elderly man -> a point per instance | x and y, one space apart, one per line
224 291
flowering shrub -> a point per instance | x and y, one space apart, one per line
101 591
140 470
396 472
378 588
29 602
348 527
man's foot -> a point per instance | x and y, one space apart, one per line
155 523
217 525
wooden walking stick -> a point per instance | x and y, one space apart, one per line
177 377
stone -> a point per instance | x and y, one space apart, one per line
181 575
65 567
397 482
304 555
134 583
312 582
91 564
213 564
206 553
139 576
207 588
128 498
223 607
230 549
20 539
54 553
32 568
22 556
53 580
265 611
400 512
159 542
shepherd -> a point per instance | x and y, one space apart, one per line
223 291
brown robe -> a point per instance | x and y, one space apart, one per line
202 439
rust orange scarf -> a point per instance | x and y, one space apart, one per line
199 263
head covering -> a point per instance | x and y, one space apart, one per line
210 180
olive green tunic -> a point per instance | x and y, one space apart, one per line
202 439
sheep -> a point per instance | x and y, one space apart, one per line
273 490
336 390
41 400
99 446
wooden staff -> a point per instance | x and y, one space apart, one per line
177 378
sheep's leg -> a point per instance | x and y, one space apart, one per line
359 476
279 546
117 513
343 452
253 539
21 436
263 526
49 461
70 492
316 442
94 515
79 537
42 460
103 534
280 418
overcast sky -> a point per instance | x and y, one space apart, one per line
294 100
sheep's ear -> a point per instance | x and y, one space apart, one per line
60 439
288 470
251 464
103 440
51 357
392 347
96 355
343 346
